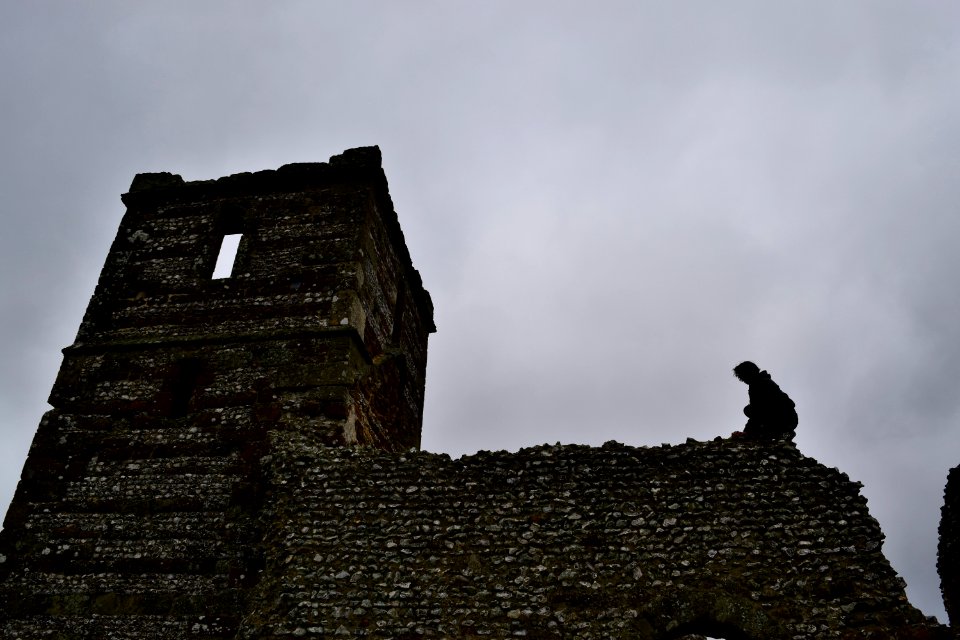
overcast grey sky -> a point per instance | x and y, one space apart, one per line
611 205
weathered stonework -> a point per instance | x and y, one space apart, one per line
727 538
238 458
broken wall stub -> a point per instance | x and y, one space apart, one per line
948 551
140 491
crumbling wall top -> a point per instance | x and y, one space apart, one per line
725 538
362 162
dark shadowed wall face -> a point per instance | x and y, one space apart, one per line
948 551
736 539
612 205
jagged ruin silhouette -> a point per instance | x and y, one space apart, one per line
238 457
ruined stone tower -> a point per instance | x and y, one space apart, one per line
142 485
195 477
321 325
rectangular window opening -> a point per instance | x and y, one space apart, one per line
227 256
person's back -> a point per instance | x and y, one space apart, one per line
771 413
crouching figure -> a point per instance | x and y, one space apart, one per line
771 413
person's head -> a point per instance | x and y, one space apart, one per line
746 371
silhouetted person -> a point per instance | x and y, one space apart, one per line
771 413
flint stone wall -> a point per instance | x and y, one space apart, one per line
725 538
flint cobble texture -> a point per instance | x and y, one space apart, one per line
571 541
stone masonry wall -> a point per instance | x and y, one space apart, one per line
725 538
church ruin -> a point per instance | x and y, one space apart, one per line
238 457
